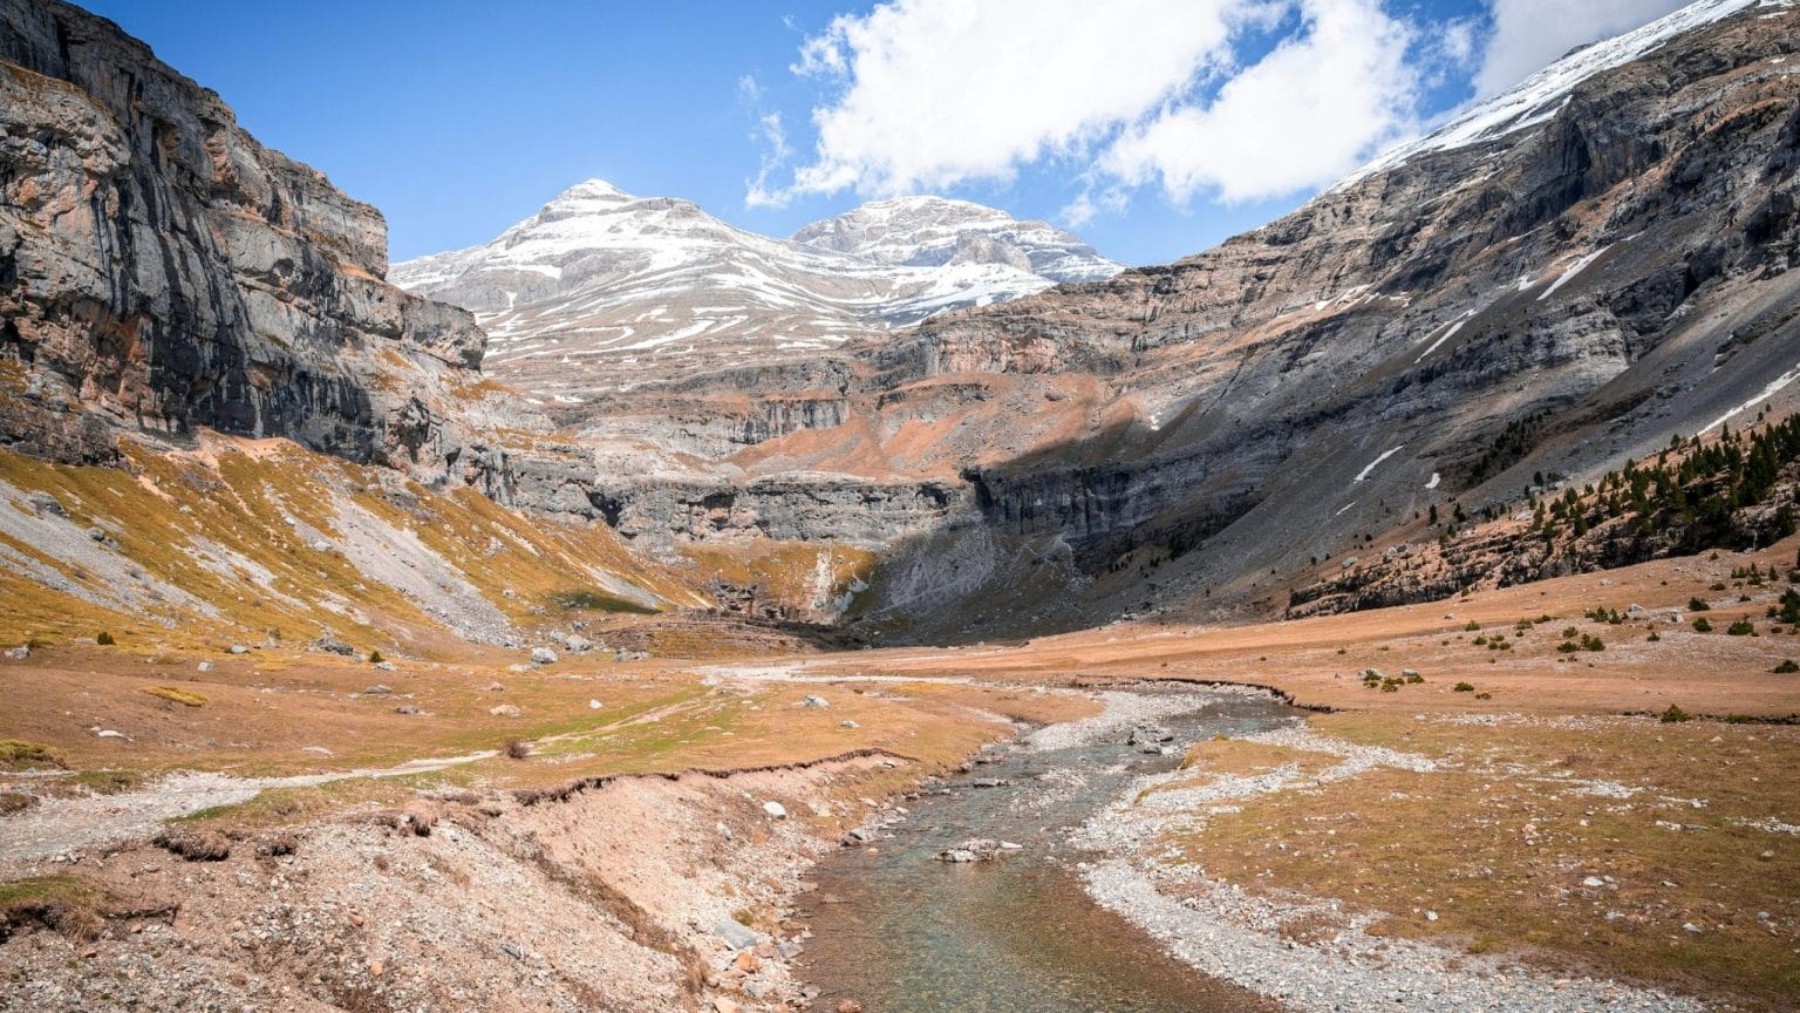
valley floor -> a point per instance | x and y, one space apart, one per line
586 834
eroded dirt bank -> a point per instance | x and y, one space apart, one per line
643 893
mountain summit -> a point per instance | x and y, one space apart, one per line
600 289
936 231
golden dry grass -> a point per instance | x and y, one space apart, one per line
1679 824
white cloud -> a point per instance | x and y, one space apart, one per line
1529 35
930 94
758 192
1310 111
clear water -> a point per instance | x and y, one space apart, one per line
903 933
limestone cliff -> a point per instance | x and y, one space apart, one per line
160 271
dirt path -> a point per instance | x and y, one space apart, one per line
64 827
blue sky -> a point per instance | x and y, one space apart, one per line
1155 127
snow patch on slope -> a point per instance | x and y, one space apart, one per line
1540 97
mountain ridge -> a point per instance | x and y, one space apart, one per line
627 288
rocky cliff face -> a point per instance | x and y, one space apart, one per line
1555 282
1563 278
162 271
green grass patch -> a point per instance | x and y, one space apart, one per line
17 755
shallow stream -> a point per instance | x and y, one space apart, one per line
901 932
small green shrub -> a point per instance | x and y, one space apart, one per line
1741 628
1675 715
1787 667
1697 604
375 658
1463 687
105 639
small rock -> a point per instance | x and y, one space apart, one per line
1593 882
815 702
333 646
505 710
494 687
44 503
384 666
195 845
594 705
379 689
19 653
98 534
721 1004
377 969
736 934
1691 928
108 733
407 708
238 649
847 723
849 1006
1431 916
980 849
316 750
775 809
205 666
321 545
543 656
577 643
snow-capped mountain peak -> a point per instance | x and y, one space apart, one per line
933 231
601 288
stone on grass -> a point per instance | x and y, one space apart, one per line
505 710
814 701
543 656
775 809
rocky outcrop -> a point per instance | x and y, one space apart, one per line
160 271
661 511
